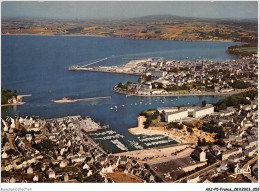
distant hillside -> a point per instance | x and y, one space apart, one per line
162 27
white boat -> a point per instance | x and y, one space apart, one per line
119 145
157 142
135 144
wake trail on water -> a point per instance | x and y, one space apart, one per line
86 62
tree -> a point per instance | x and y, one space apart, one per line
23 132
129 82
190 130
220 142
211 158
199 142
80 176
10 152
120 85
203 104
47 144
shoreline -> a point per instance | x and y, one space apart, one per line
12 104
74 35
182 94
93 70
18 103
105 36
140 130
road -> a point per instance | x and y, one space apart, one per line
79 126
184 153
158 153
199 173
253 180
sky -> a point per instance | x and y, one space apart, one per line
128 9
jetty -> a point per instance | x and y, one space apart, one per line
84 66
18 101
67 100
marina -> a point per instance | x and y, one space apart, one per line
116 136
88 125
157 143
109 132
155 140
135 144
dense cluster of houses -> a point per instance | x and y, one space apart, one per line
240 140
60 149
159 74
55 150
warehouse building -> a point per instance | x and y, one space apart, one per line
207 110
175 115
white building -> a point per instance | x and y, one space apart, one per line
5 125
167 109
144 92
158 92
13 123
4 155
226 90
51 174
30 170
147 85
177 115
203 156
63 163
158 73
207 110
246 107
28 137
36 178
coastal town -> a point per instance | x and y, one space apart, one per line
213 145
160 77
161 93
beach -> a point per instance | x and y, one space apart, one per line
140 130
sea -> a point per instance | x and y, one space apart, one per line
38 65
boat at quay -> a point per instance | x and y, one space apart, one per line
119 145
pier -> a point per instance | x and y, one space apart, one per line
135 58
84 66
67 100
